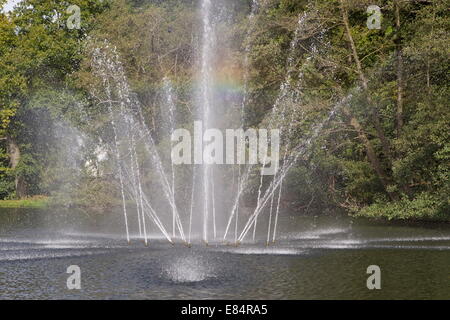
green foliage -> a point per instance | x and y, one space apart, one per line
46 77
29 168
38 53
416 164
90 194
6 176
424 206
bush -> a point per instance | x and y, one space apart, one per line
425 206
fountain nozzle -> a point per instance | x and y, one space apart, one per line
187 244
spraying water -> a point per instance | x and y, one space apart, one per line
206 102
202 208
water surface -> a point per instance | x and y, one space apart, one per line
315 258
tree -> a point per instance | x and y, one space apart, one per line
37 51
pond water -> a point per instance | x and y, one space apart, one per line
314 258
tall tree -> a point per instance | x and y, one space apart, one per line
399 54
38 50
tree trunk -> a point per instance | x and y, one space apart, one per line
14 159
364 82
429 55
400 81
373 159
399 70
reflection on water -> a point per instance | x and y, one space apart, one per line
314 259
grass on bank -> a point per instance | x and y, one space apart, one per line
36 202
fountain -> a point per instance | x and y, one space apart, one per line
207 213
169 205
